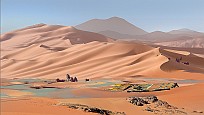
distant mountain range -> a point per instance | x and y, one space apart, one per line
119 28
185 31
114 24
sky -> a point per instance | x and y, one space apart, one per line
150 15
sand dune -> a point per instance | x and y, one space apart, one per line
50 35
81 60
94 59
52 51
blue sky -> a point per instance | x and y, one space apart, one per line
150 15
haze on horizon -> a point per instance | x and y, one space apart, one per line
150 15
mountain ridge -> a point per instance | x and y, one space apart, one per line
114 24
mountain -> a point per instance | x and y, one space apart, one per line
185 43
114 24
159 36
119 28
187 32
48 35
156 36
117 35
185 38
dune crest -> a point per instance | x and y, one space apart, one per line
52 51
50 35
93 60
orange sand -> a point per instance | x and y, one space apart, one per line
52 51
35 106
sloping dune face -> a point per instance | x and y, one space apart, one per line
196 63
49 35
94 59
52 51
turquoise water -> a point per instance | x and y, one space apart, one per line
102 84
44 92
2 95
55 92
16 87
172 80
65 93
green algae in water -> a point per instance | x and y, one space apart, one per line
102 83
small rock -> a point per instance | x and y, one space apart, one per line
92 109
165 104
149 109
197 111
150 99
137 101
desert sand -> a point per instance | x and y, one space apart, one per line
51 51
35 106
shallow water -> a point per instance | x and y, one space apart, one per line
44 92
102 83
56 92
179 81
16 87
53 92
3 95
